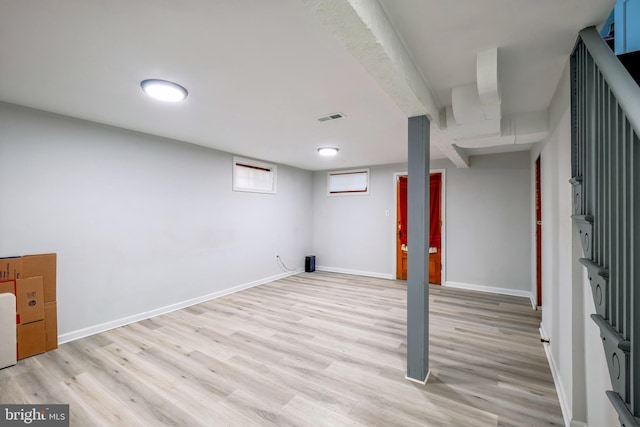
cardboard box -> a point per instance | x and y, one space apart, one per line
31 339
42 265
10 268
30 300
51 325
8 287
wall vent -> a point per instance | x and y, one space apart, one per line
332 116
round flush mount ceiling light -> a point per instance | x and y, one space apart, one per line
163 90
328 151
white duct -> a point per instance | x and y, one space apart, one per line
488 83
475 103
466 104
475 119
480 128
526 128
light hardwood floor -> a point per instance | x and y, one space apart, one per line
310 350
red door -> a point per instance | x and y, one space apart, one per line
538 235
435 218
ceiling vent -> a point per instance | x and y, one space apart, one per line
332 116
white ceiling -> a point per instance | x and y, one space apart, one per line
260 73
534 39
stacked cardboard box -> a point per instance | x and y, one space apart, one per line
32 279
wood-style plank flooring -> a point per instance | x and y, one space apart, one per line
315 349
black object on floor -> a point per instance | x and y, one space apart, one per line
310 263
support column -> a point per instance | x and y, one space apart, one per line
418 252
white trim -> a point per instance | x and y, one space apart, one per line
273 169
532 228
443 223
443 218
394 224
354 272
562 397
103 327
543 333
534 242
366 171
418 381
490 289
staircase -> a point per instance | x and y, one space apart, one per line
605 157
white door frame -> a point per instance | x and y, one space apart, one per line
443 227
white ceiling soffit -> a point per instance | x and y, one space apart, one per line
367 33
525 128
474 119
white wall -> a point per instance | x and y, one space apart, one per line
556 253
139 222
353 233
487 224
575 352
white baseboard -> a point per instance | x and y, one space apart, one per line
543 333
103 327
562 397
354 272
424 382
492 290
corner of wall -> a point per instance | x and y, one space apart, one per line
562 395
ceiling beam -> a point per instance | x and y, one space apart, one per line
364 29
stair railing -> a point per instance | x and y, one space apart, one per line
605 166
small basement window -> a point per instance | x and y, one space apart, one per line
346 183
254 176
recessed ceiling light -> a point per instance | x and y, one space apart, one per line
328 151
163 90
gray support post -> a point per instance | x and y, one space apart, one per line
418 253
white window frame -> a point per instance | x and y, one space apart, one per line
349 192
239 162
